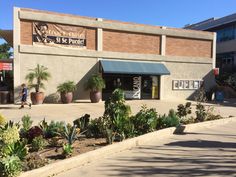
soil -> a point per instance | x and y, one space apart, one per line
80 146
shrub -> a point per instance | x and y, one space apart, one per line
68 86
116 114
145 120
26 125
2 120
171 120
18 149
9 134
96 128
82 123
38 143
67 150
33 132
53 129
184 110
200 112
33 161
10 166
188 120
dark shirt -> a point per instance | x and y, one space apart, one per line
24 91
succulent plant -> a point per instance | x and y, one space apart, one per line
33 132
9 135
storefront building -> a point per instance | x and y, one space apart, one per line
147 62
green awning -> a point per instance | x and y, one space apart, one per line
130 67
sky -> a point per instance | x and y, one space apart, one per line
171 13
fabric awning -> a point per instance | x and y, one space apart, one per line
133 67
8 36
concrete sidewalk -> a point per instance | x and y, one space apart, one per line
201 152
69 112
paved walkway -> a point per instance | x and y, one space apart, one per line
202 152
69 112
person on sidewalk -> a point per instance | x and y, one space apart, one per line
23 95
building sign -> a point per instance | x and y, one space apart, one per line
6 66
59 35
136 87
187 84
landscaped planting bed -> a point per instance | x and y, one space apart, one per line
25 147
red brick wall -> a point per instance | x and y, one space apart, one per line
26 31
117 41
188 47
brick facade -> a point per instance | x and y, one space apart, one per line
188 47
116 41
26 30
131 42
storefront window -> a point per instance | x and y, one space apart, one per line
134 86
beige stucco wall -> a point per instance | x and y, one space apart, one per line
62 68
186 71
77 65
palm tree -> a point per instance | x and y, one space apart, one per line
38 74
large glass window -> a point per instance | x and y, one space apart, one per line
225 62
226 34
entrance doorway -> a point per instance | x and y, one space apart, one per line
134 86
150 87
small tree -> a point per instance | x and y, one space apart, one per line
5 51
36 77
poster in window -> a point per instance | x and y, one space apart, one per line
181 84
175 84
186 84
196 85
191 84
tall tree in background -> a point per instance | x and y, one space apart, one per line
5 52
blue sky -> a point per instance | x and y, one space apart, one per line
173 13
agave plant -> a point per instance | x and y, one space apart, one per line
36 77
70 134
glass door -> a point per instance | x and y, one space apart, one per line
146 89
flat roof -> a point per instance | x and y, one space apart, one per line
212 23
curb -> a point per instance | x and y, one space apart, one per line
92 156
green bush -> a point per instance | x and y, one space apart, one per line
67 150
200 112
145 120
171 120
184 110
26 125
55 128
38 143
116 115
96 128
18 149
10 166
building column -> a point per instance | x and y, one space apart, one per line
99 37
16 60
163 53
214 51
163 43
